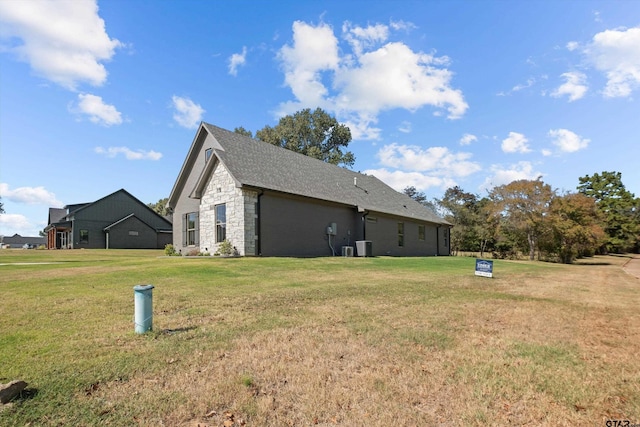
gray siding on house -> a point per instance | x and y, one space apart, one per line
96 216
296 226
382 231
132 234
184 204
119 209
95 229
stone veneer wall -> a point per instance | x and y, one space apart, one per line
240 206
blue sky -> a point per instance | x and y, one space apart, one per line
95 97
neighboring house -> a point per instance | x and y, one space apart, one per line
270 201
117 221
18 241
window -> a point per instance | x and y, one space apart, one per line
372 219
133 233
190 230
401 234
84 236
221 222
207 154
420 232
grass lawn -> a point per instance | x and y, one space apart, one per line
321 341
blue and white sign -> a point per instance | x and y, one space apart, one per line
484 268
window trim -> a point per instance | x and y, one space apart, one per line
84 236
421 232
401 234
221 226
187 231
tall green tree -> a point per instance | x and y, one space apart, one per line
160 207
620 210
416 195
522 206
421 198
462 211
573 227
243 131
486 226
313 133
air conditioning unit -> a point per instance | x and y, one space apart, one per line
347 251
364 247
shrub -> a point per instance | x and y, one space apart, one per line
226 248
169 250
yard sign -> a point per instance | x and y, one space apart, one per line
484 268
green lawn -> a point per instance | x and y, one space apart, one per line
347 341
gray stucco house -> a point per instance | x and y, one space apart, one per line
116 221
270 201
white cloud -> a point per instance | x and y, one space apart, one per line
236 60
571 46
372 79
402 25
436 159
129 154
574 86
394 76
546 152
596 16
399 180
188 114
364 38
515 143
17 223
467 139
314 50
405 165
98 112
530 82
616 53
362 126
500 175
29 196
567 141
63 41
405 127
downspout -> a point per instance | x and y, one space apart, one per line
437 240
364 225
259 224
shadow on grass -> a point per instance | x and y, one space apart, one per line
592 263
26 394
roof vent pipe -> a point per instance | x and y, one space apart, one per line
355 181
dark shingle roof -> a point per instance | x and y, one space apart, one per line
259 164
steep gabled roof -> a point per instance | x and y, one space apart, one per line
59 215
261 165
56 215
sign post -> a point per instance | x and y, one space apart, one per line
484 268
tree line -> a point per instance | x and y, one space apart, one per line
529 217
